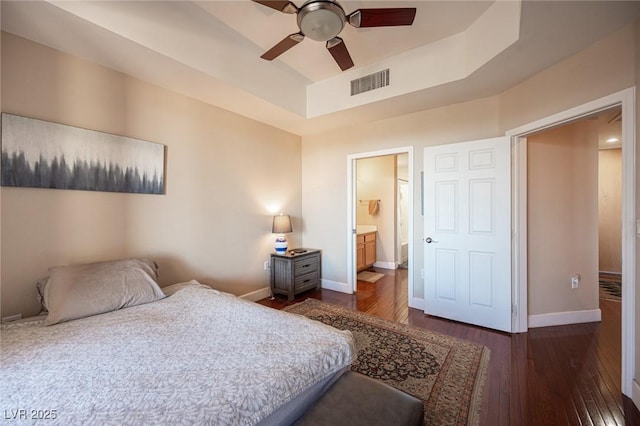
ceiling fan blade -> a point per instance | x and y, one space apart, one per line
390 17
285 44
279 5
339 51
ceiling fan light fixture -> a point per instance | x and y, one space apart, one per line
321 20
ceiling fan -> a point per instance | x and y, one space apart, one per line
323 20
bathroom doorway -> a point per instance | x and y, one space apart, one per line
382 213
382 190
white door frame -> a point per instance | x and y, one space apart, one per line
351 217
626 100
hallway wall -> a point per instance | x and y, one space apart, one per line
610 210
562 214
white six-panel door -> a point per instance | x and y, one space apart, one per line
467 222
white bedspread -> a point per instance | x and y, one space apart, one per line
197 357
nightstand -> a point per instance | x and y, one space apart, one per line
293 273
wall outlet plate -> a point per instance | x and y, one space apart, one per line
266 265
575 281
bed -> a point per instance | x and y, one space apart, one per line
196 356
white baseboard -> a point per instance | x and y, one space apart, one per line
562 318
265 292
416 303
254 296
336 286
385 265
635 393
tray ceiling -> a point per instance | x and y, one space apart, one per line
209 50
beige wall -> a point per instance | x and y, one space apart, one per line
637 328
376 180
562 218
603 68
223 172
610 210
0 190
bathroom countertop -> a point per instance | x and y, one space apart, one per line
366 229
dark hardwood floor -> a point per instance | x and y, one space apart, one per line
564 375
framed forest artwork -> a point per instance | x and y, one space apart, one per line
41 154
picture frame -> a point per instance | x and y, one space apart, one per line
43 154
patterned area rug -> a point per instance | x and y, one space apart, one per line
445 372
370 277
611 288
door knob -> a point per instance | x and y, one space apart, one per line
429 240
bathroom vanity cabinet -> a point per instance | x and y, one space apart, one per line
366 249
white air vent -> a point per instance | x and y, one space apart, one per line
370 82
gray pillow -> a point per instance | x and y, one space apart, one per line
78 291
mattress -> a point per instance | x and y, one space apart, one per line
199 356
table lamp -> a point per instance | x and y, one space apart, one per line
281 225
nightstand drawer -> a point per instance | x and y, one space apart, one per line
306 281
306 265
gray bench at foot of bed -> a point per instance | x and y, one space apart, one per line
356 399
